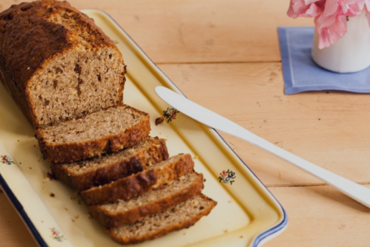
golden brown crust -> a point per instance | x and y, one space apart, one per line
16 94
161 232
152 154
137 184
25 31
108 219
29 39
70 152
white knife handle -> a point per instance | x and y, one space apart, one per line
351 189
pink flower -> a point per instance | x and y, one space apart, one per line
305 8
223 174
331 25
352 7
330 16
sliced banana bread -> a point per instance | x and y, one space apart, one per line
104 131
139 183
151 202
184 215
83 175
56 63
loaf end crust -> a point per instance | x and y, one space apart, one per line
118 235
117 219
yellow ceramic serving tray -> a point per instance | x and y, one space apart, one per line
246 214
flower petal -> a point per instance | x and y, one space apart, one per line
330 34
305 8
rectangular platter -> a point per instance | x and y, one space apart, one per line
247 214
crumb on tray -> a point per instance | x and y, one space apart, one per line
159 120
50 176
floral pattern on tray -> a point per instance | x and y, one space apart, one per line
6 159
170 114
227 177
55 234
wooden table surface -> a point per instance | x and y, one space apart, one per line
224 54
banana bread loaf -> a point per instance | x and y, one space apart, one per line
139 183
152 202
56 63
85 174
68 78
100 132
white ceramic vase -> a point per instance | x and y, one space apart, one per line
351 53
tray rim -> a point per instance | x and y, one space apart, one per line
258 240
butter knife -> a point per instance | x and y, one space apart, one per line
213 120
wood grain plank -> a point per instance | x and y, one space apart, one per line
194 31
13 232
321 216
329 129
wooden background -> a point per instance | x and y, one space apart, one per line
224 55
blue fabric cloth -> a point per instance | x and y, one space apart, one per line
302 74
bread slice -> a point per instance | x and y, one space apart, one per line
83 175
151 202
184 215
139 183
57 64
104 131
